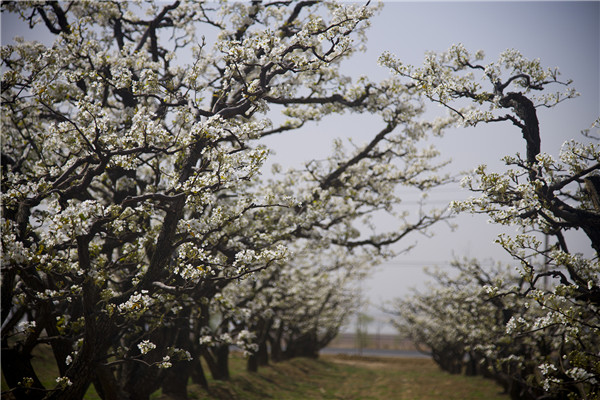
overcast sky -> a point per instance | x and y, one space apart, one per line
563 34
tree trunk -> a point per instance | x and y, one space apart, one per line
15 367
262 354
81 372
176 379
61 347
449 359
276 349
97 339
106 385
175 383
252 363
471 366
260 358
223 361
197 372
304 345
140 380
217 361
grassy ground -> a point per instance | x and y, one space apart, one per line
330 377
350 377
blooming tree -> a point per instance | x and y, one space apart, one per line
455 316
133 202
291 319
558 324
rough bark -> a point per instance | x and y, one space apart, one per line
98 334
197 373
106 385
217 361
276 348
17 365
176 379
525 110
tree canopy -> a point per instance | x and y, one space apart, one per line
535 330
140 232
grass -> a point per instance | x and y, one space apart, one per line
348 377
330 377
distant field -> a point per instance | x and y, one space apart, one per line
373 341
332 377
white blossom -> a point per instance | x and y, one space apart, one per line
63 382
145 346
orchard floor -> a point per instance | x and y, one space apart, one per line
348 377
330 377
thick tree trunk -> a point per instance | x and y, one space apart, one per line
196 369
197 372
61 347
176 379
305 345
98 335
471 365
276 348
263 354
449 359
223 361
261 357
82 371
16 366
140 380
252 363
175 383
106 385
218 362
